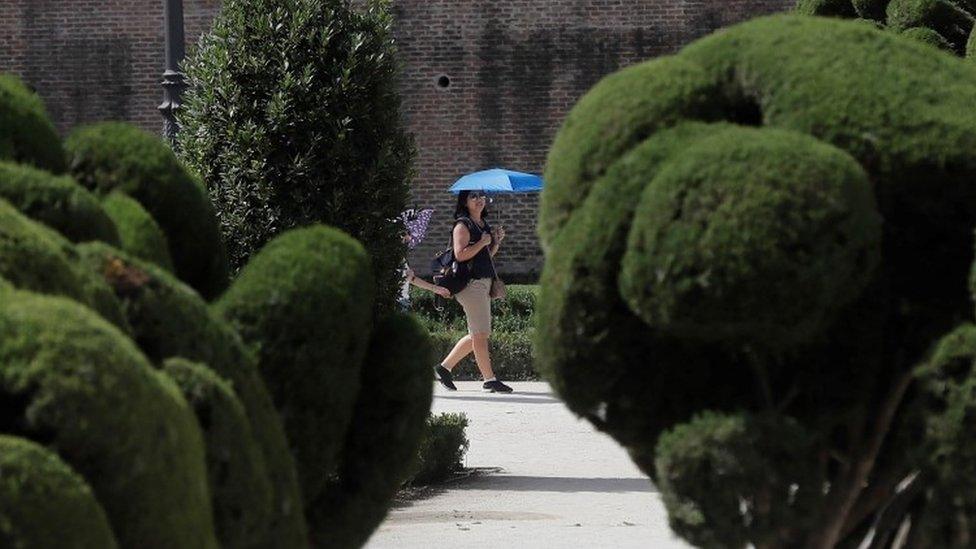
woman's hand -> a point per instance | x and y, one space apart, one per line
485 239
500 234
442 291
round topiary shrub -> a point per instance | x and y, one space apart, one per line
713 239
304 303
351 446
728 481
114 156
948 23
928 36
34 257
45 504
168 320
76 384
948 398
290 126
711 253
239 485
27 135
826 8
948 19
383 438
56 201
139 234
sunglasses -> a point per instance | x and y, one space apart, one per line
476 195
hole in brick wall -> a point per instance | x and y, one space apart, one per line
443 81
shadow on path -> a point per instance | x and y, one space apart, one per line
515 483
513 398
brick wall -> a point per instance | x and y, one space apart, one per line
485 82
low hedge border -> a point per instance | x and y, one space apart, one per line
512 356
442 450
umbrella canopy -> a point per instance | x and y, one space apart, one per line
498 181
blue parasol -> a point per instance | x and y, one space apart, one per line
498 180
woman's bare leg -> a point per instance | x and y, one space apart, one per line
480 344
461 349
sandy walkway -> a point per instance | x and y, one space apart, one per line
561 484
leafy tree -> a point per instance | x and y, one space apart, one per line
292 118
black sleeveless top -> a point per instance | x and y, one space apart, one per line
481 265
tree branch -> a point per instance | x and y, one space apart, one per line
894 514
845 492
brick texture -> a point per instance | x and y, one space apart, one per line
485 83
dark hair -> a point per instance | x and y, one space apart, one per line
461 210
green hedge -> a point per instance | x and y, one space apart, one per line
384 436
27 135
58 202
45 504
239 486
441 453
309 360
333 377
112 156
512 331
79 386
948 24
139 233
169 319
512 357
36 258
512 314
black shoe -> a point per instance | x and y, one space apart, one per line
444 376
496 387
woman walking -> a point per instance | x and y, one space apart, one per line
474 243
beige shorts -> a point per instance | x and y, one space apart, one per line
477 306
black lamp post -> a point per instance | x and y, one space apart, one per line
172 78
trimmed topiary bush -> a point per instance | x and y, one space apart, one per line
56 201
139 233
27 135
512 356
948 23
826 8
309 360
950 20
712 223
168 320
115 156
383 437
442 451
44 504
928 36
291 125
948 399
740 476
239 485
34 257
76 384
316 366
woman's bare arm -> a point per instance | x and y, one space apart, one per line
462 250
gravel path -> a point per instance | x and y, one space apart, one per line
561 483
